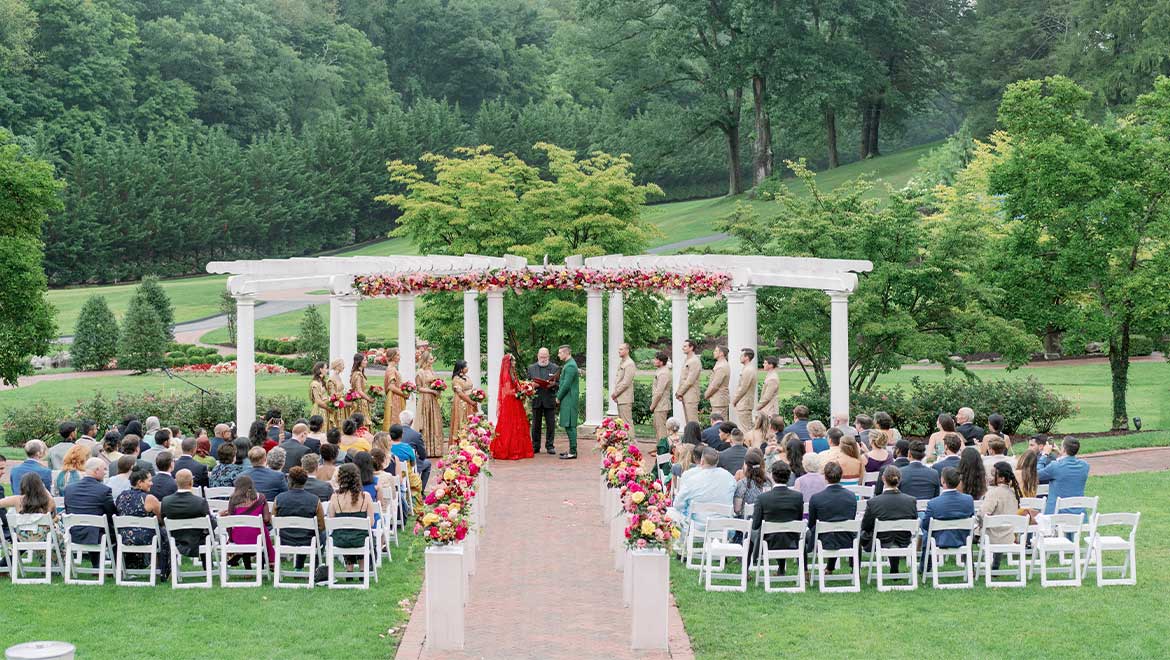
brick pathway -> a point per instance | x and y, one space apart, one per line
545 586
1150 459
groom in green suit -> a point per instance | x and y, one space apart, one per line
568 392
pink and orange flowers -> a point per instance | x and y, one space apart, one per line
408 388
477 395
695 282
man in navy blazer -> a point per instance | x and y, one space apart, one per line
949 505
918 481
163 483
901 460
90 496
1066 476
187 462
952 445
268 479
780 504
833 504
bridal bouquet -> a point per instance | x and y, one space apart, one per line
376 391
525 390
338 402
352 395
438 384
408 388
478 395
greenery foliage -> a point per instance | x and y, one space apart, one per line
160 302
95 338
313 339
144 337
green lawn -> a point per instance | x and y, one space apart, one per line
377 317
192 297
259 622
384 248
1058 622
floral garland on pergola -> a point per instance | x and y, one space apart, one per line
695 282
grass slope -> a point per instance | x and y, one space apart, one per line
192 298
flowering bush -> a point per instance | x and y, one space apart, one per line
478 395
696 282
525 390
438 384
230 368
408 388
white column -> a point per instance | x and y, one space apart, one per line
617 310
347 323
495 348
594 346
245 360
839 353
446 598
735 343
751 331
334 327
406 343
679 332
471 336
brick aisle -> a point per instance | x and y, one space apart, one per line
545 586
1152 459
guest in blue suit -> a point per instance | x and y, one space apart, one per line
833 504
949 505
918 480
35 451
90 496
1065 476
952 445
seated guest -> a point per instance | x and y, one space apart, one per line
1027 474
274 428
799 424
351 500
316 436
350 440
901 460
886 423
189 462
693 434
203 452
863 424
88 429
150 431
731 458
995 451
137 501
850 461
781 504
995 422
878 456
265 473
121 481
56 454
108 451
952 445
33 498
72 466
246 501
665 447
363 429
840 421
386 470
407 455
812 481
91 497
751 481
1003 499
328 467
370 482
184 504
224 474
793 454
918 480
221 434
258 435
689 457
318 487
706 484
1041 444
164 483
1066 476
294 446
776 429
892 504
162 442
833 504
300 503
972 476
934 445
724 439
949 505
967 428
759 433
132 446
34 463
818 439
710 435
415 440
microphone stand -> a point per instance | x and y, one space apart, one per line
202 392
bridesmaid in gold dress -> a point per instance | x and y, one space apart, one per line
357 383
395 397
462 406
430 416
319 392
336 386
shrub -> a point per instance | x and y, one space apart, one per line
39 420
314 336
158 300
1140 345
644 357
95 337
276 346
144 338
707 357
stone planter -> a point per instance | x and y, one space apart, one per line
649 599
446 579
627 580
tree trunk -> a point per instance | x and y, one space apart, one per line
865 120
875 122
1052 341
762 159
1119 368
831 137
734 176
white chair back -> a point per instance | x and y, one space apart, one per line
824 527
792 527
1034 503
862 492
294 522
870 478
217 492
217 506
962 524
176 524
227 523
880 526
1006 522
71 520
136 522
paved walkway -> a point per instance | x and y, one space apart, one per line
545 586
1149 459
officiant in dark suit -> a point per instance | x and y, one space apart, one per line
544 404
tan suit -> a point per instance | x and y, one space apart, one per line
744 399
688 387
660 403
718 390
769 395
623 390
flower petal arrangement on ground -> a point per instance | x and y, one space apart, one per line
221 368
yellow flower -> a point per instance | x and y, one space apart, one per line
430 519
478 460
638 497
449 475
647 527
453 509
674 533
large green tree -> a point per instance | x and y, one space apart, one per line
95 337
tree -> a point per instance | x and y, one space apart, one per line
144 338
1088 202
158 300
227 308
313 339
95 338
28 191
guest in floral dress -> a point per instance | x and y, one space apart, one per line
137 501
224 475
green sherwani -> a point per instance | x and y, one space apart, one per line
568 391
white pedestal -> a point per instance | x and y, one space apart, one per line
649 599
617 533
627 581
445 579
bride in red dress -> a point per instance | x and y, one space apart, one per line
512 441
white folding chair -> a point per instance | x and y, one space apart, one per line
1041 490
862 504
921 505
293 551
229 547
1088 508
53 490
365 553
409 496
218 492
862 492
961 554
696 528
879 560
217 507
20 564
206 553
850 554
662 462
717 544
390 522
1062 537
1034 503
748 511
5 556
1099 544
870 478
122 574
1018 547
74 551
766 555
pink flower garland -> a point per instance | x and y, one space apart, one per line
697 282
643 497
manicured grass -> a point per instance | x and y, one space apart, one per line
259 622
1128 441
377 317
390 246
192 297
1058 622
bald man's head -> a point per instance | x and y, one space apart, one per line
184 480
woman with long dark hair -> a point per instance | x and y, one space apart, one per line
357 386
350 500
934 445
692 434
33 498
1003 499
319 391
752 481
462 406
257 434
972 474
1027 473
245 501
794 454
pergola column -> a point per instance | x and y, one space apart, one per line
751 331
471 336
406 344
735 341
347 327
679 332
245 360
839 353
495 348
334 327
617 311
594 359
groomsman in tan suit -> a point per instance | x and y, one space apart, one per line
718 392
623 385
688 382
660 404
744 398
769 404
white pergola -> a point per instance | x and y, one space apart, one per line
250 279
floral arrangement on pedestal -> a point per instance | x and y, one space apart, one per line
620 465
443 524
696 282
613 432
445 518
649 525
479 432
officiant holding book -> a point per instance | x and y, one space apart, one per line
544 405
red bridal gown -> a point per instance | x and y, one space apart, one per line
512 440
